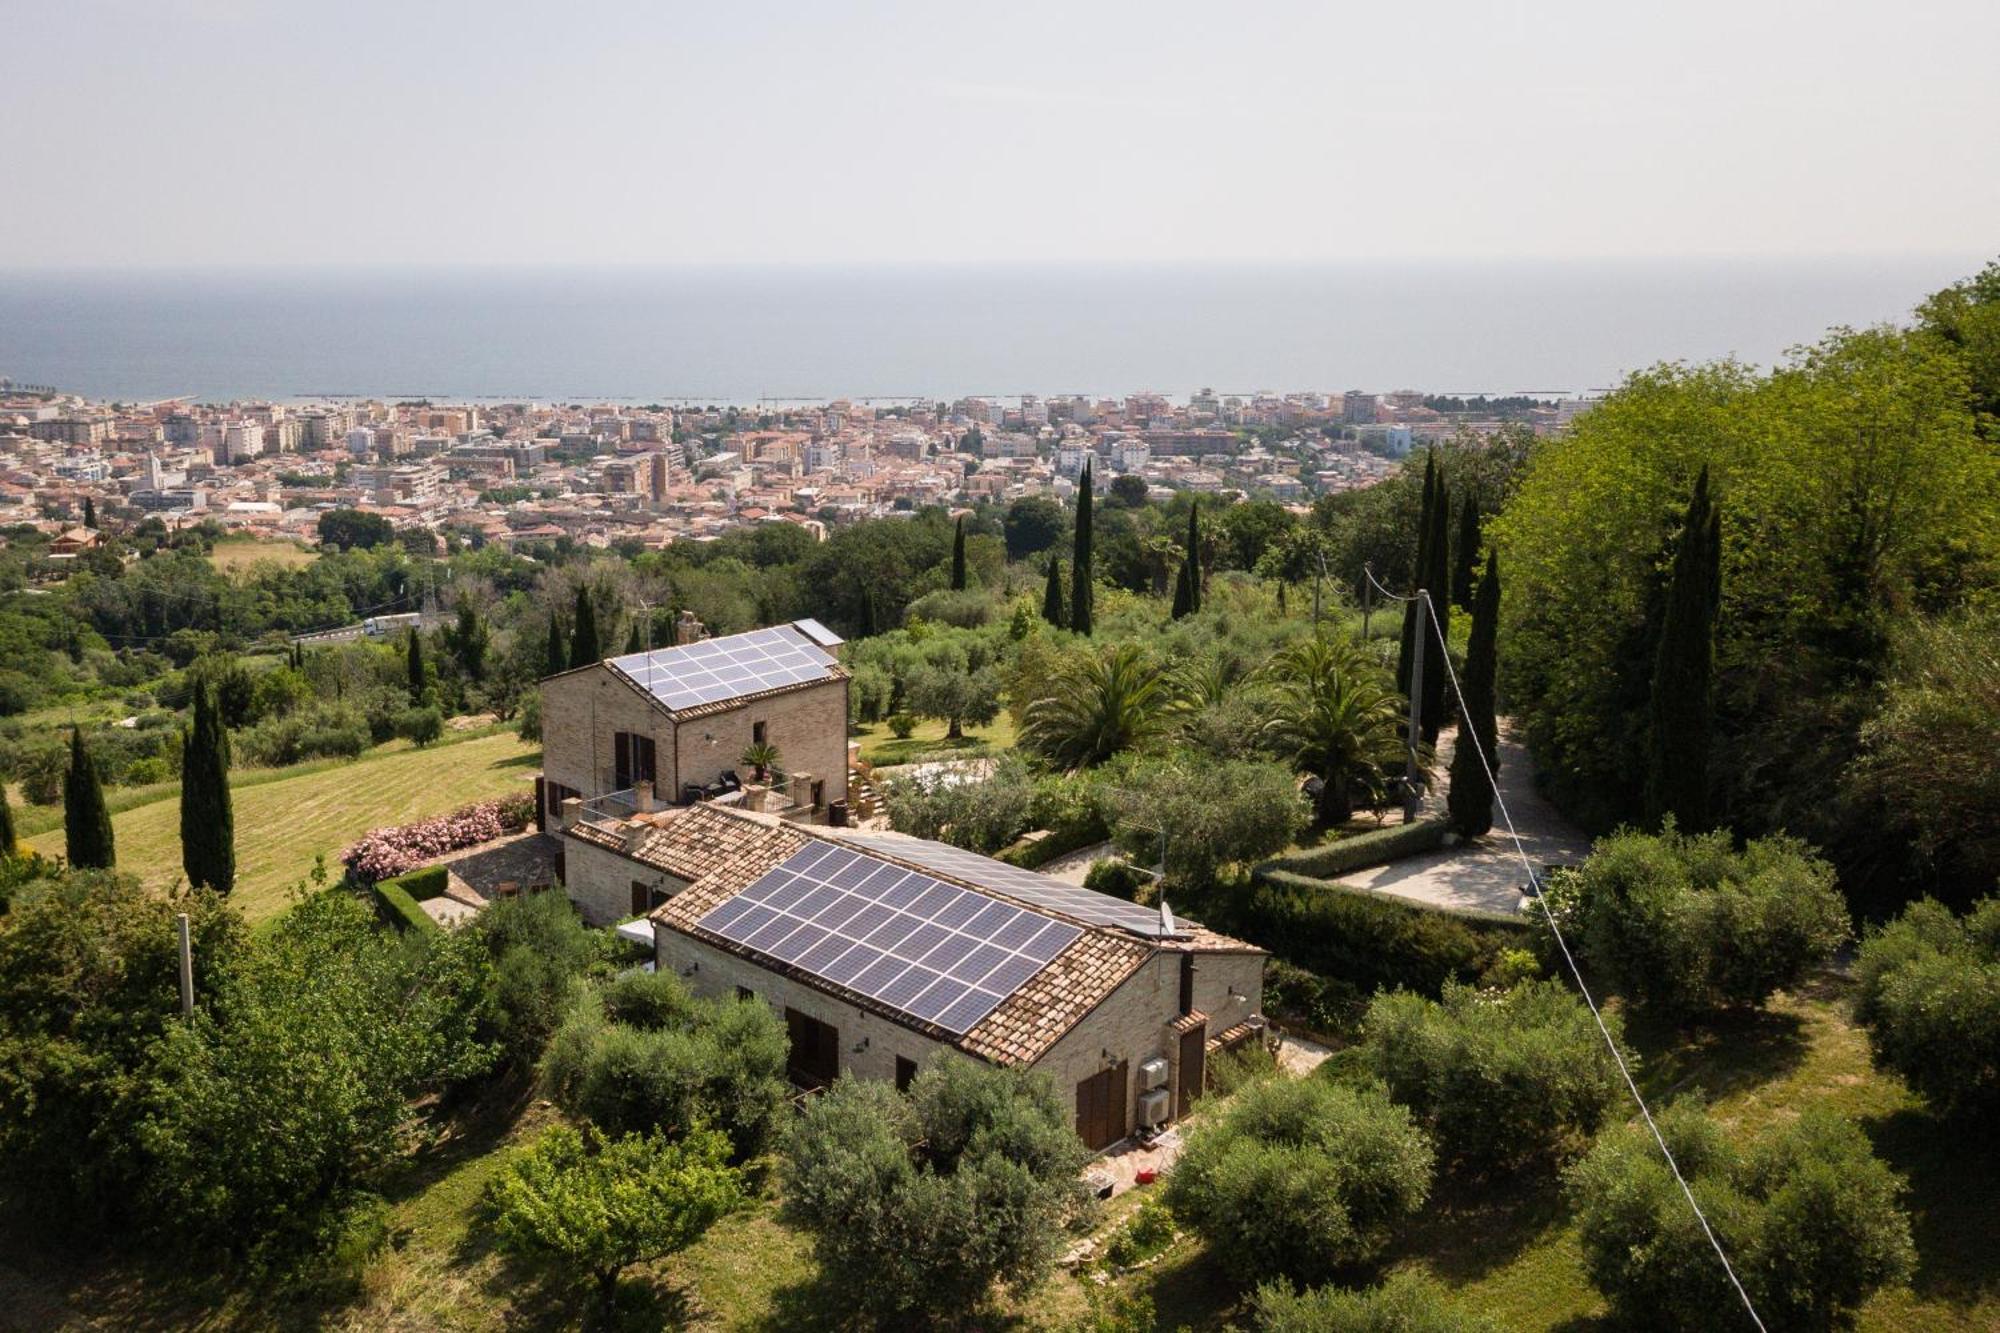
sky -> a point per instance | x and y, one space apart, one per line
176 133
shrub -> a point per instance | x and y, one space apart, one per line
708 1062
1809 1217
540 950
1147 1233
1211 814
583 1202
902 725
420 726
1502 1081
399 908
1930 999
1687 926
938 1195
391 851
1118 877
981 816
1361 850
1300 1178
1365 939
1406 1303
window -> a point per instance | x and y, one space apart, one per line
645 897
632 759
757 735
906 1073
815 1057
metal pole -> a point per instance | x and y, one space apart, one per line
1412 784
1367 598
187 966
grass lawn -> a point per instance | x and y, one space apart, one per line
1508 1250
233 554
285 817
882 748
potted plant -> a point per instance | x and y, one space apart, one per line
762 759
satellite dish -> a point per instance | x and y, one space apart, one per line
1166 918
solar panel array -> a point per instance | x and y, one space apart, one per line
818 633
1028 886
716 669
935 951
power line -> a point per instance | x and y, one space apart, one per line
1535 882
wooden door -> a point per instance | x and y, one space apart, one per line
1194 1068
815 1055
1100 1107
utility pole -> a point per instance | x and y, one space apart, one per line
1367 598
187 966
1413 792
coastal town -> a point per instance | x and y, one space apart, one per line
518 473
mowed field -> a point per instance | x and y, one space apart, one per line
230 556
284 821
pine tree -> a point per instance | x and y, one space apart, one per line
1470 798
7 835
1055 608
558 654
584 649
1437 582
87 837
1082 567
1683 701
419 675
89 512
1465 563
208 823
1406 650
958 556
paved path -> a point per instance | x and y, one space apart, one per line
1486 873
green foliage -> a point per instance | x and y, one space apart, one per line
585 646
581 1202
399 906
1055 603
1145 1235
1118 877
540 950
1333 714
1930 999
351 530
1470 797
1358 851
982 816
1502 1081
1407 1303
87 835
1683 704
1096 705
1083 567
1809 1216
1213 815
641 1062
1032 525
958 555
1687 926
296 1079
938 1195
208 822
1300 1178
1367 940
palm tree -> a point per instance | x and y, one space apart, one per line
1333 714
1099 704
762 758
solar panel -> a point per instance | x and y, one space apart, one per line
818 633
1027 886
712 670
938 952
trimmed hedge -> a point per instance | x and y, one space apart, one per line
1374 848
1369 940
424 884
398 908
1032 854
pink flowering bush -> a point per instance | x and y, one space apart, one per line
387 852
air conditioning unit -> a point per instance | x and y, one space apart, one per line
1153 1108
1153 1072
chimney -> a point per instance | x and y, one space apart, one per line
642 796
687 629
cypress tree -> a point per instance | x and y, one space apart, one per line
1194 556
7 836
1437 581
1082 568
208 823
584 649
869 624
1183 605
558 654
1683 701
1465 565
1054 608
1406 649
89 512
1470 798
634 639
958 556
87 837
415 663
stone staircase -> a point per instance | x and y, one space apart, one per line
864 803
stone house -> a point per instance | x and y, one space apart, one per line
881 950
671 726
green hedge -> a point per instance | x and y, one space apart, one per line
1033 854
1366 939
396 899
1374 848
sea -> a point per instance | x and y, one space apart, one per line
747 335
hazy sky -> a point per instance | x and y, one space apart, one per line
174 132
